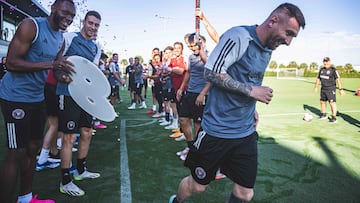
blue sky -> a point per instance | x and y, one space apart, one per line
130 27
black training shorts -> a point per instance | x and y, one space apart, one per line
236 158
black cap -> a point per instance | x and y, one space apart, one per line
326 59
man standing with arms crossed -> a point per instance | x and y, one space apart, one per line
72 118
32 52
228 138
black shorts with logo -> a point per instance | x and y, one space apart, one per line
328 95
24 122
236 158
188 108
169 95
72 116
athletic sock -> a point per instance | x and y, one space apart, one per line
65 174
44 154
81 165
154 107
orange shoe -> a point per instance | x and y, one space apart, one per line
176 135
177 130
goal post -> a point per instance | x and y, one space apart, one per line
289 73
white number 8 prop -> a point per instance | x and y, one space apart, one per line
90 89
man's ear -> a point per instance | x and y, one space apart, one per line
273 20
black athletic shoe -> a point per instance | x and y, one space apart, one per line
332 119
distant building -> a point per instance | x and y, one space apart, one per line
12 13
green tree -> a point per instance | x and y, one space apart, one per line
273 65
141 59
124 62
303 66
282 66
292 64
314 67
348 68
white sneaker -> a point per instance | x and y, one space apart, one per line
165 123
180 138
162 120
132 106
174 125
85 175
71 189
143 105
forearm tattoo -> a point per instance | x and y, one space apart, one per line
225 81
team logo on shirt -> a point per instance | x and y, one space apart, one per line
70 125
328 72
200 172
18 114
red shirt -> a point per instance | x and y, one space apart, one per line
176 78
51 78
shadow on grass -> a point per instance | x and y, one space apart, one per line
283 174
351 120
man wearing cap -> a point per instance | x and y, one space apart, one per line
328 76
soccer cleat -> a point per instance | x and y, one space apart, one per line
36 200
73 169
157 115
332 119
150 111
132 106
85 175
54 158
100 126
47 165
162 120
71 189
322 116
143 105
176 135
181 138
219 176
184 151
172 126
165 123
176 130
172 198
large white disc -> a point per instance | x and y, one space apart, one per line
90 89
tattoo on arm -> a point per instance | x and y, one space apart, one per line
225 81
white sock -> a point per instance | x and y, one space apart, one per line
175 122
154 108
25 198
44 154
58 142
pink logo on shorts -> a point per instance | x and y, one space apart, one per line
200 172
18 114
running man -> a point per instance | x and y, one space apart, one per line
227 139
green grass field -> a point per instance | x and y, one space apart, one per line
298 161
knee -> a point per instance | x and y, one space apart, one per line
243 193
195 187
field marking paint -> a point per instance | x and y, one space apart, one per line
142 124
292 114
125 184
